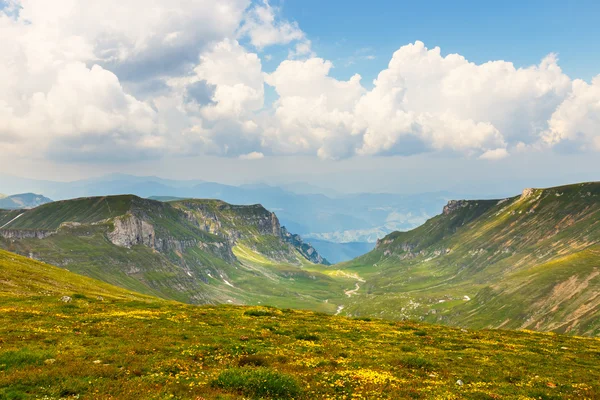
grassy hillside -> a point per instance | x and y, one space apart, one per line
529 261
182 251
108 343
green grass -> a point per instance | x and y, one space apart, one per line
130 346
258 383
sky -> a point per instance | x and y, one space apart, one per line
387 96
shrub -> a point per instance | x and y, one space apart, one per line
258 382
310 337
414 362
259 313
420 333
253 360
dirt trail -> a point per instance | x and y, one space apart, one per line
349 293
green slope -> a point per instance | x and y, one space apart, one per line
511 257
25 279
181 250
109 343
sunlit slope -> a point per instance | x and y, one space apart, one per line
109 343
26 279
512 254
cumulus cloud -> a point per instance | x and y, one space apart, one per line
136 38
264 29
139 79
577 120
422 102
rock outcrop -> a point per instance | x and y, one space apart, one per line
306 249
13 234
130 230
454 205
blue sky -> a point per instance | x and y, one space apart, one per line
519 31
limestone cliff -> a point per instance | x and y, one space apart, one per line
130 230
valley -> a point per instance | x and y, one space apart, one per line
526 262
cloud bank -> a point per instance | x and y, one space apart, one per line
136 79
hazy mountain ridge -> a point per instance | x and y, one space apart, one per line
337 217
22 201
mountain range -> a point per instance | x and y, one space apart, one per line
524 262
305 209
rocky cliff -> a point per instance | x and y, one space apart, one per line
16 234
306 249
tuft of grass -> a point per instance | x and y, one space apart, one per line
258 382
259 313
415 362
309 337
23 357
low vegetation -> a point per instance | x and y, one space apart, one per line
64 336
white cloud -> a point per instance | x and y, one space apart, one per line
496 154
314 113
237 77
264 29
89 80
252 156
577 119
136 37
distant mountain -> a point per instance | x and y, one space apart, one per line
526 262
340 252
300 207
21 201
196 251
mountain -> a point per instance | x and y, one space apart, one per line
526 262
340 252
303 208
65 336
196 251
24 200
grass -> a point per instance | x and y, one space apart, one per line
108 343
258 383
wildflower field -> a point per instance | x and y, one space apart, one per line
107 343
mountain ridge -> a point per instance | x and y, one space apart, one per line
462 266
190 250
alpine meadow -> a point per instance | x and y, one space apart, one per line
268 199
